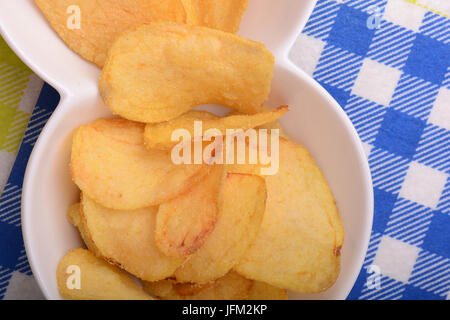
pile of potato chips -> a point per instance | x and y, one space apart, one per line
187 231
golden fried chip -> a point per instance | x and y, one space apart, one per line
98 280
158 71
127 239
74 217
198 114
269 126
151 141
159 135
184 223
264 291
274 125
241 207
298 245
90 27
120 129
224 15
121 173
232 286
73 214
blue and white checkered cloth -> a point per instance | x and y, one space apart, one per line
387 63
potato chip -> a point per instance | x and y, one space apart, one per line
183 224
127 239
121 173
90 27
74 217
73 214
151 141
264 291
157 72
298 245
255 157
269 126
198 114
120 129
159 135
241 208
97 280
232 286
224 15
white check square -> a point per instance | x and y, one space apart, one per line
22 287
306 53
396 259
376 82
440 114
405 14
423 185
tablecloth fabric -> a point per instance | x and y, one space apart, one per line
387 63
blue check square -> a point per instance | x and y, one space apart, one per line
414 293
384 204
10 244
399 133
429 59
350 31
437 239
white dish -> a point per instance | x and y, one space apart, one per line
315 120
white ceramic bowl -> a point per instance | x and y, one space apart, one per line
315 120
